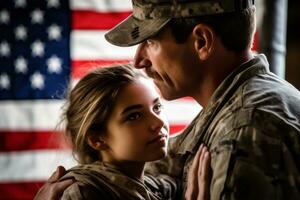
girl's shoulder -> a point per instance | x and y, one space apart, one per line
91 182
79 191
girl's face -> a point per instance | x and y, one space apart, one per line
137 129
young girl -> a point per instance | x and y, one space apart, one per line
115 123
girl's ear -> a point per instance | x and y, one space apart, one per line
96 142
204 40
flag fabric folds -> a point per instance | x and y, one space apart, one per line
45 47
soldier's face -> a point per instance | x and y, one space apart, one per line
174 67
137 129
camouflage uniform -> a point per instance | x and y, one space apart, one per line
252 129
106 182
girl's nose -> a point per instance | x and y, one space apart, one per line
156 123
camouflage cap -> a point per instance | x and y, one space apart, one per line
149 16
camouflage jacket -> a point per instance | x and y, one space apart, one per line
252 129
106 182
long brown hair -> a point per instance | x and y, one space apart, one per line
90 104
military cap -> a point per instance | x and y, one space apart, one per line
150 16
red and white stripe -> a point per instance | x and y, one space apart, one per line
31 148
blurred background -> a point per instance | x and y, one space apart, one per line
293 44
278 37
47 45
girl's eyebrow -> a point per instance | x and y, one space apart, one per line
132 107
156 100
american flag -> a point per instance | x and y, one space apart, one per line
45 45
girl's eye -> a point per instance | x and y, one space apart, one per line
133 116
157 108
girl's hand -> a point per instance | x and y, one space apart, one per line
199 176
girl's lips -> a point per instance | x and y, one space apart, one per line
159 138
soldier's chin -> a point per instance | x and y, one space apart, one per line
168 95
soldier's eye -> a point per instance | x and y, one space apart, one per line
149 42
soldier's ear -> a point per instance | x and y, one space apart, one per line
97 142
204 37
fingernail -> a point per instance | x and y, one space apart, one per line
200 148
206 154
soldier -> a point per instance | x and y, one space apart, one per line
250 119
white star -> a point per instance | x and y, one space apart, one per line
21 32
21 65
54 32
4 49
37 16
37 81
4 81
53 3
54 64
4 17
37 48
20 3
